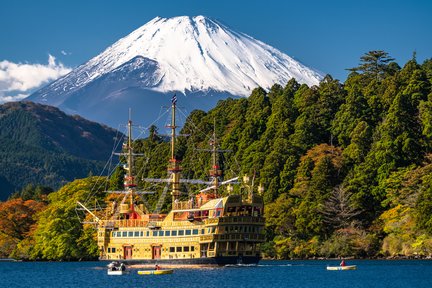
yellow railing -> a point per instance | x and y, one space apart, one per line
124 223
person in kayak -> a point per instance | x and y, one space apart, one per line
342 263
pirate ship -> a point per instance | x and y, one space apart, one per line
205 229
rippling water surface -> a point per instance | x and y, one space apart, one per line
369 273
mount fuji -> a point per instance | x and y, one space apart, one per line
195 57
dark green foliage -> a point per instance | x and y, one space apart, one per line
116 181
32 192
41 145
424 206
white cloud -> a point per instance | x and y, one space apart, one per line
18 80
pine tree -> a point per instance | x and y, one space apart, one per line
375 64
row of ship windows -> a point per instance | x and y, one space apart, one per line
156 233
187 232
171 249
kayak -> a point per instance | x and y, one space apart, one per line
350 267
155 272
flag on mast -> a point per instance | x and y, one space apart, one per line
174 99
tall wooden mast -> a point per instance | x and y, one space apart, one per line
130 181
215 172
174 168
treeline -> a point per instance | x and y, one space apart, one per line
346 166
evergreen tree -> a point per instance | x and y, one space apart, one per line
354 110
375 64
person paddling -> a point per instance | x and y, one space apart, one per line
342 263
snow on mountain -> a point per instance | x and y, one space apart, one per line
183 54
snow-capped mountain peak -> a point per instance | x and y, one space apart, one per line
184 54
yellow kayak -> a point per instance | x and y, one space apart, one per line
349 267
155 272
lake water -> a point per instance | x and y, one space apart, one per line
369 273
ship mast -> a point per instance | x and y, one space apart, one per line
174 167
215 172
130 179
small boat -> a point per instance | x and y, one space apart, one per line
116 268
155 272
348 267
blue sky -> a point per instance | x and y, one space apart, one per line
48 38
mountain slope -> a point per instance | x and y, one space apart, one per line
40 144
196 56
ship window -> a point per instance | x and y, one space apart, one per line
109 250
161 233
172 249
202 231
124 234
142 233
136 234
113 234
113 250
178 249
174 233
186 249
148 233
195 231
130 234
192 248
188 232
218 213
155 233
180 232
167 233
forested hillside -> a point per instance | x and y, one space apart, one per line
39 144
346 166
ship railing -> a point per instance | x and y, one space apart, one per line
190 204
252 237
111 224
211 221
241 219
205 238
